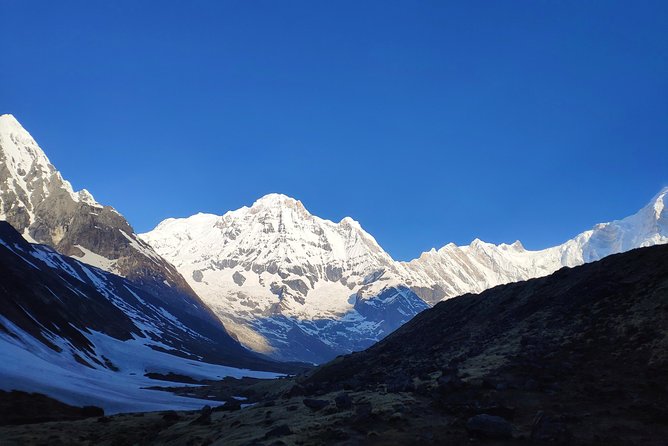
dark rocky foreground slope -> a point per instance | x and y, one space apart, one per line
579 357
609 318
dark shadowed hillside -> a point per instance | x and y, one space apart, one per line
579 357
588 346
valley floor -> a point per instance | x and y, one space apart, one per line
281 415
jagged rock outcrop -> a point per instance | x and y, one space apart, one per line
43 207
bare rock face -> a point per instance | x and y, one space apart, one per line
43 207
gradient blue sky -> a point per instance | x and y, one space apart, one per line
428 122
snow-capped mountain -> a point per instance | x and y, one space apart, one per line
286 282
455 270
296 286
88 337
43 207
283 281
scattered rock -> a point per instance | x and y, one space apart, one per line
331 436
315 404
424 388
352 384
545 429
204 416
171 416
495 383
396 417
449 381
401 383
230 405
92 411
530 384
489 426
343 401
498 410
296 390
363 413
278 431
424 376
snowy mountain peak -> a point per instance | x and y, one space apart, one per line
86 197
273 270
27 177
453 270
350 222
43 207
659 204
516 246
20 152
9 124
276 200
276 265
647 227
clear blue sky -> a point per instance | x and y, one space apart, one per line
428 122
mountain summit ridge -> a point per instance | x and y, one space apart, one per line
482 265
32 175
281 277
275 259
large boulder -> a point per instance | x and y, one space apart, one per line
489 426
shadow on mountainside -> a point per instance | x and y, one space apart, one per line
579 357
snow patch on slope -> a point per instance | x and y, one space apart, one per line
30 366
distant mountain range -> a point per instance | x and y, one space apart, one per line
293 285
456 270
283 282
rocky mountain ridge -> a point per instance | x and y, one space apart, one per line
273 270
43 207
455 270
